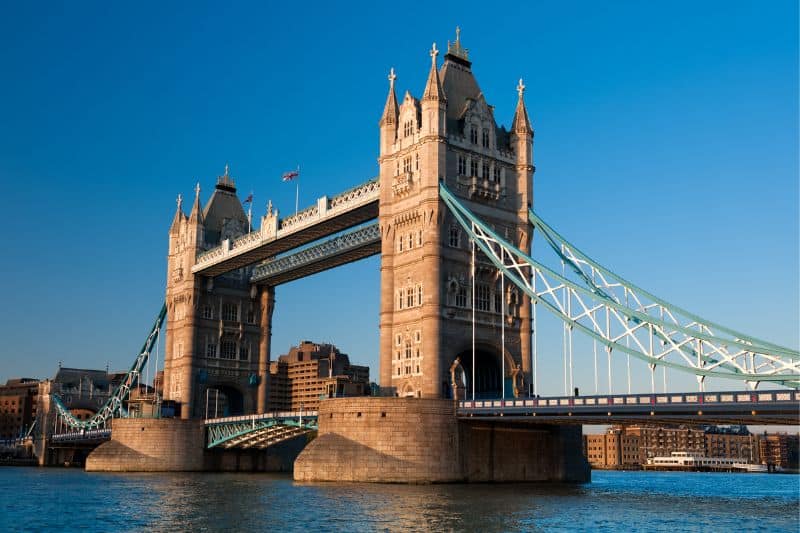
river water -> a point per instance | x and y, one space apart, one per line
36 499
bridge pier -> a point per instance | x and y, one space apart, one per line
409 440
267 302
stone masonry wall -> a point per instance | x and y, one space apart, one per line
403 440
412 440
150 445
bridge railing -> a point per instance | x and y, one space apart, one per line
87 434
276 415
324 208
621 400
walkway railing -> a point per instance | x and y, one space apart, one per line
324 209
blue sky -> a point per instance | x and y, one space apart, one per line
666 147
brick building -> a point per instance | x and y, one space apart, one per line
779 450
630 447
311 371
18 404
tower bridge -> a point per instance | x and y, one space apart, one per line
451 215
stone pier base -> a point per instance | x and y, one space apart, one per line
410 440
174 445
150 445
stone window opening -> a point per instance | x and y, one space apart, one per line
454 237
408 349
244 352
401 298
482 296
497 173
417 163
211 349
410 297
419 294
400 244
462 165
230 312
485 170
473 167
461 296
208 312
485 138
227 349
410 241
419 238
473 135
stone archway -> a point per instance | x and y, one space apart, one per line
487 372
223 400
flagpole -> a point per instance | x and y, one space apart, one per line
297 191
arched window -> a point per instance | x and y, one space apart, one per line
408 349
473 135
455 237
485 138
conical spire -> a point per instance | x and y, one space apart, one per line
196 215
433 88
390 110
179 216
521 124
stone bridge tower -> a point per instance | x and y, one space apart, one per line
213 333
450 135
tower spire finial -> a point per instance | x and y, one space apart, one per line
520 88
458 36
226 170
179 201
434 52
197 189
392 77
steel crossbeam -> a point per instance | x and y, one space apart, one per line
335 251
627 319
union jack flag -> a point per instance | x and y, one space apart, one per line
292 174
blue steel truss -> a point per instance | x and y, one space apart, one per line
258 431
625 318
114 406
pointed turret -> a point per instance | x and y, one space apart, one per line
390 112
434 102
433 87
388 122
196 214
179 216
521 124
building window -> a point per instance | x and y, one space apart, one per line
462 165
230 312
417 163
473 135
407 164
397 172
399 340
419 294
208 312
244 352
408 349
419 238
497 173
482 297
410 297
251 316
410 241
418 336
401 293
485 138
461 296
486 170
498 302
473 167
228 349
211 349
455 237
400 244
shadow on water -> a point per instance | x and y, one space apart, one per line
39 499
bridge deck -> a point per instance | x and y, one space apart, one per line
742 407
327 217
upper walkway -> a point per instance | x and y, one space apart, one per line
327 217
